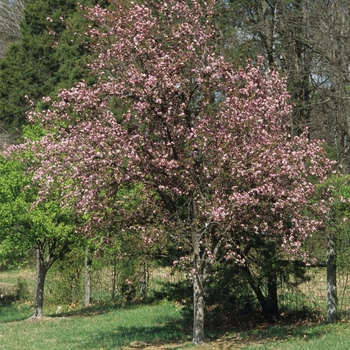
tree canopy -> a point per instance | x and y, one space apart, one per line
210 145
25 228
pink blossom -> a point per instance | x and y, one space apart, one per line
205 149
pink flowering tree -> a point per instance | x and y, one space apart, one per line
208 147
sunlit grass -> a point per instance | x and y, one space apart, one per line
115 327
107 328
11 311
315 337
162 324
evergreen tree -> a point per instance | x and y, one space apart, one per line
50 54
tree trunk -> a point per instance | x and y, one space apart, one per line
198 275
143 281
268 302
272 299
259 294
198 309
41 271
114 279
87 278
271 265
331 279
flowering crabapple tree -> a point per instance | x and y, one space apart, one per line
208 146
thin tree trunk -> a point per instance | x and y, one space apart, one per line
143 281
331 279
41 271
198 308
198 291
114 278
87 278
272 296
259 294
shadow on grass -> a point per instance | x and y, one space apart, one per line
282 332
137 336
167 330
92 310
142 337
128 323
98 309
112 326
12 311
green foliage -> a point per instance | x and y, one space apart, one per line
22 291
331 151
337 191
125 274
237 44
14 206
65 280
50 54
180 292
114 277
127 279
228 287
33 132
24 224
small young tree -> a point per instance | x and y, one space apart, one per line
336 240
209 146
47 228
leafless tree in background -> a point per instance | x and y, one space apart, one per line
10 16
331 44
308 42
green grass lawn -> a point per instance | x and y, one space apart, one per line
94 328
111 327
161 325
317 337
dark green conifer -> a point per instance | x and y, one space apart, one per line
49 55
